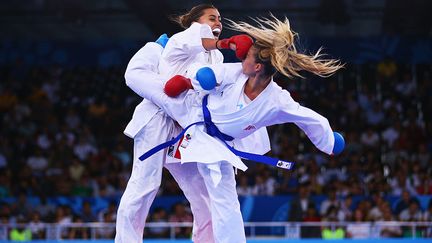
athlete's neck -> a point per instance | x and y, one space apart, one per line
255 85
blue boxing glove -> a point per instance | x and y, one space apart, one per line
162 40
339 143
206 78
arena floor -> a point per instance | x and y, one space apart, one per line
406 240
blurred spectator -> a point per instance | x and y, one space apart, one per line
358 229
412 213
4 236
261 187
87 214
36 226
313 175
43 139
37 162
407 85
376 213
84 149
22 206
84 187
387 69
78 232
45 209
404 202
401 184
330 201
122 154
391 134
111 210
179 214
427 216
107 232
300 207
3 161
391 229
5 179
333 172
159 216
345 211
63 217
425 183
311 216
243 188
330 231
76 169
333 234
370 138
300 204
20 232
375 116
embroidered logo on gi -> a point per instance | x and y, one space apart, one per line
171 150
250 127
186 140
284 164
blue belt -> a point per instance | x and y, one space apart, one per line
213 131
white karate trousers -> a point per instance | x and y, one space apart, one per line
226 216
145 181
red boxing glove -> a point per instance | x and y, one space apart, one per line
242 42
177 85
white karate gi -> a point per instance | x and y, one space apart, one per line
183 50
273 106
150 127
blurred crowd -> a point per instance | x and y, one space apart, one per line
61 135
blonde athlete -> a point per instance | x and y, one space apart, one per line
150 126
265 102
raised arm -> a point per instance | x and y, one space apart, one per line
142 74
199 38
189 43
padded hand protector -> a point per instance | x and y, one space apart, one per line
177 85
162 40
206 78
339 144
242 42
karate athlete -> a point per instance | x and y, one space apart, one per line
149 127
264 103
194 45
197 45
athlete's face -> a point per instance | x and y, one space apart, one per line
212 17
249 64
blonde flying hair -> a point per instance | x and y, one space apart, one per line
274 41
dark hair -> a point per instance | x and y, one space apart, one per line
185 20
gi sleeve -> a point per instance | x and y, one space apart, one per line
187 43
315 126
142 71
